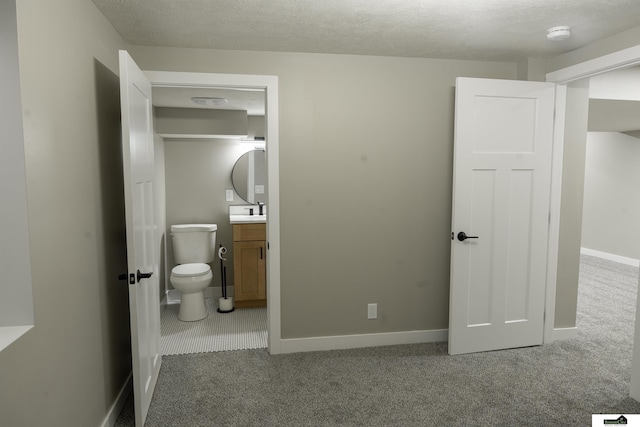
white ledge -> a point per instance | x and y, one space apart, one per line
9 334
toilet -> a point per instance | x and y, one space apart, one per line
193 250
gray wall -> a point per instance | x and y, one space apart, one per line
365 168
611 206
196 121
68 370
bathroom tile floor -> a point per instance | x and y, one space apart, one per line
241 329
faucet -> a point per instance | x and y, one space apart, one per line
260 207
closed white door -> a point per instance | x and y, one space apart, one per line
142 257
501 189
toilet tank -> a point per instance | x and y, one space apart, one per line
194 243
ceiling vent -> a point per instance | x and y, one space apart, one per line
209 102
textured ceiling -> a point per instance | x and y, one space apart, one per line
505 30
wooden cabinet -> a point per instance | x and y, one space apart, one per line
250 265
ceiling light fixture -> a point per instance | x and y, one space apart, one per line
559 33
209 102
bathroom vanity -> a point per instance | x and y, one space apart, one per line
249 264
249 180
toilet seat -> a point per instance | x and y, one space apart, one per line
190 270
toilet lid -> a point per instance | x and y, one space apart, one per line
190 270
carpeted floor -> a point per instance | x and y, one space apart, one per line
240 329
561 383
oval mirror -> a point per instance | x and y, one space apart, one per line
249 177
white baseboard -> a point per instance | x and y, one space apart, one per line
611 257
116 408
342 342
173 295
560 334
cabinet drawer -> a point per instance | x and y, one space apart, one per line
247 232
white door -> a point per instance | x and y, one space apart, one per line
501 189
142 257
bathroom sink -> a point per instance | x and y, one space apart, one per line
244 219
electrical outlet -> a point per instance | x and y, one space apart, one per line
372 311
229 195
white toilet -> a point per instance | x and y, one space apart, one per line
193 249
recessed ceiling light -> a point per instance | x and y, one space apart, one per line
209 102
559 33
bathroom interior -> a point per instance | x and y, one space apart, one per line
210 170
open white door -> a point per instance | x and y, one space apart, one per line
501 188
142 257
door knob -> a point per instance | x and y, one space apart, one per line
142 275
462 236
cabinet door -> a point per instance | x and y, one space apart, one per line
249 270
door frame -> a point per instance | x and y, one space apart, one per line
613 61
270 86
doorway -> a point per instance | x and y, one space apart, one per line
267 85
609 226
618 60
201 135
610 230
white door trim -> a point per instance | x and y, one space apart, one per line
616 60
557 157
270 85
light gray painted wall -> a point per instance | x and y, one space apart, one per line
256 126
618 84
69 369
194 121
365 182
532 69
611 206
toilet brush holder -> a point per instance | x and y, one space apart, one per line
225 305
